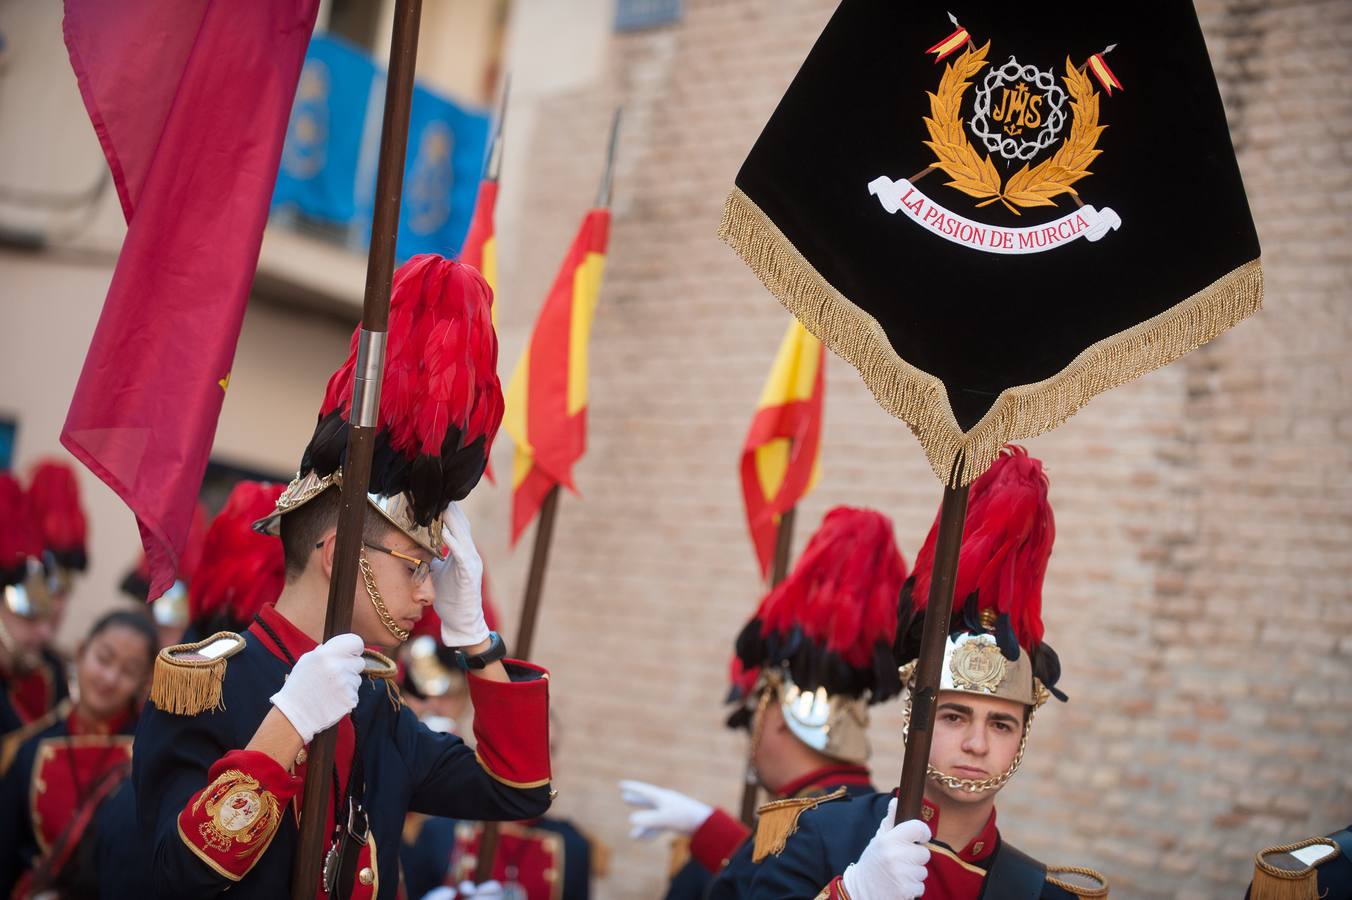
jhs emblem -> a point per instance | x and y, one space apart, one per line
1021 116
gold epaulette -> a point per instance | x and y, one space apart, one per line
779 820
1278 874
1078 880
9 747
679 856
600 856
188 677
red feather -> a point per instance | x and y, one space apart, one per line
843 591
1006 544
240 570
54 498
20 539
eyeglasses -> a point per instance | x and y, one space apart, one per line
419 569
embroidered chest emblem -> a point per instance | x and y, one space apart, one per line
1042 131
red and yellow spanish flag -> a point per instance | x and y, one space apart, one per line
949 44
1099 66
547 396
480 248
782 456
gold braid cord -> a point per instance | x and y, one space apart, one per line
977 176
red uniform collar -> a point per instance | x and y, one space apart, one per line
76 725
829 776
294 641
979 847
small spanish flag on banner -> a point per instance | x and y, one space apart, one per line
782 455
950 43
547 396
1099 66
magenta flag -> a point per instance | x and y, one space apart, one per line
190 100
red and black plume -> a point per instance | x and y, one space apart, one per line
240 570
1007 541
54 498
20 539
833 619
440 399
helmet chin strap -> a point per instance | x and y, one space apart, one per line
368 578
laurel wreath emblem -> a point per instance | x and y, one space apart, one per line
976 175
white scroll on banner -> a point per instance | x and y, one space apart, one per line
903 196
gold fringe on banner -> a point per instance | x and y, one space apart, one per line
920 400
187 681
1272 882
779 820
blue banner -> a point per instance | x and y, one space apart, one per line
328 167
324 137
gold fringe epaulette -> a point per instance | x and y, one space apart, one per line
779 820
188 677
679 855
1077 880
921 400
1279 876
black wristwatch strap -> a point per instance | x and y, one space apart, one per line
496 650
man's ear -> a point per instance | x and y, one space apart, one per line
327 548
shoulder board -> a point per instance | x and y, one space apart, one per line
1288 870
188 677
600 853
779 820
9 748
1078 880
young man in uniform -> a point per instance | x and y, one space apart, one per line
996 673
810 662
221 752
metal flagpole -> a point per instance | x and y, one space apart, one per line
306 872
544 537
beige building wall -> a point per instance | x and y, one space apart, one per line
1198 592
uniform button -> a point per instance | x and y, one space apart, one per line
366 876
301 757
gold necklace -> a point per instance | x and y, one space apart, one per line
369 578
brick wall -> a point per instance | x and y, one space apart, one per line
1198 594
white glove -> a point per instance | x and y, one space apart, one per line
489 890
662 810
323 685
440 893
459 583
892 866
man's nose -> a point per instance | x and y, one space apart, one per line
975 740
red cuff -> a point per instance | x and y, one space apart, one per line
230 822
834 891
714 842
511 725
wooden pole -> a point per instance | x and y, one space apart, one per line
779 568
306 872
544 536
521 647
938 615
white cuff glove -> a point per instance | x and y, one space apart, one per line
459 583
323 685
489 890
892 866
662 810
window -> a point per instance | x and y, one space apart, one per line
636 15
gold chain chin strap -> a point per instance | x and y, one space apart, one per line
969 785
369 579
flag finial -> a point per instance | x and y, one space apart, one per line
603 194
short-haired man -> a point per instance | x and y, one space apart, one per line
220 759
996 673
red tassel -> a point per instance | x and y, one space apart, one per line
19 536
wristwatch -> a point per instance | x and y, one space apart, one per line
496 650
